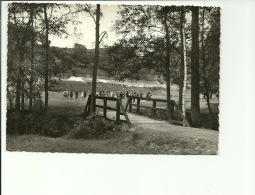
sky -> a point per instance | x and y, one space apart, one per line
87 29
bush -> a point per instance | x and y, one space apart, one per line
44 124
37 122
94 127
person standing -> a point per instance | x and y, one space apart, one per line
76 95
71 95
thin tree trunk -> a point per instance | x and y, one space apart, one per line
204 71
167 65
17 103
181 68
32 62
94 81
46 58
195 105
185 75
22 96
9 98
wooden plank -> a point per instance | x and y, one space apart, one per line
125 114
118 111
108 108
164 109
89 105
183 117
138 106
170 111
107 98
105 108
86 107
154 105
130 104
127 104
151 99
94 103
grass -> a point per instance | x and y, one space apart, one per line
138 142
115 143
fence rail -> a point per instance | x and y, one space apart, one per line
119 107
170 110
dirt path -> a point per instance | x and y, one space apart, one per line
163 126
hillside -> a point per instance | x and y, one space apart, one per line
79 61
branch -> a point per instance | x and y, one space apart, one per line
104 33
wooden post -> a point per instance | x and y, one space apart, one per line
89 104
105 105
125 114
117 112
138 106
154 106
86 110
94 104
170 110
130 104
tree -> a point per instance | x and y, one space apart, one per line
183 64
147 25
94 79
80 53
204 69
46 85
195 92
19 33
167 65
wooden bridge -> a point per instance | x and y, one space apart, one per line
133 101
119 113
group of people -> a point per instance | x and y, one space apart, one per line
70 94
148 95
118 94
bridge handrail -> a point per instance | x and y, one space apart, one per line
118 109
154 108
151 99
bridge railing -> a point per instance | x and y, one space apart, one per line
154 108
119 107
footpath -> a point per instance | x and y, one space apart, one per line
153 125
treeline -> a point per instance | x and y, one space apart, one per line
180 43
33 64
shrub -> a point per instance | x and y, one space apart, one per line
37 122
94 127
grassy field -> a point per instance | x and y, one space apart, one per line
115 143
137 142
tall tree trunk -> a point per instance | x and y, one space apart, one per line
46 58
167 65
185 74
204 71
32 62
22 96
94 81
181 68
9 98
17 102
195 106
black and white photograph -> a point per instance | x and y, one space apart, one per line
141 97
127 79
